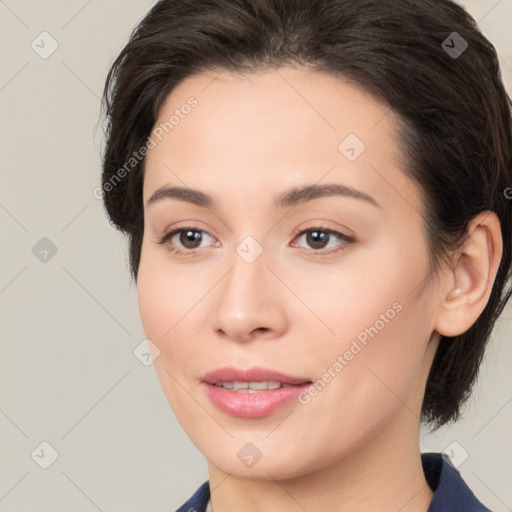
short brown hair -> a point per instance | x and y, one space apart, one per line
454 110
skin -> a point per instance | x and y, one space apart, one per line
355 445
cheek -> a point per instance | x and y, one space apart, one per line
153 304
379 321
161 306
172 308
163 294
366 377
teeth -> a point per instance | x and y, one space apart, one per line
264 385
226 385
251 387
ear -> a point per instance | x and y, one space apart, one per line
467 286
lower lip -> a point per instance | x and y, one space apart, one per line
252 405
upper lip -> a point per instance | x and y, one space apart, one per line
254 374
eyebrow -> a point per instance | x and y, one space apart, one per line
289 198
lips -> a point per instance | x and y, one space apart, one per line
254 374
252 403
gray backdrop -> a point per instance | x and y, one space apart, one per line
69 315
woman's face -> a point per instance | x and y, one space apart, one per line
323 286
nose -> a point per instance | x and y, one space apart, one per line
249 301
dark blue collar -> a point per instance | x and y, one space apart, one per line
451 494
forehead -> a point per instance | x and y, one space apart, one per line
276 126
273 100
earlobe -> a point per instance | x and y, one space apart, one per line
471 279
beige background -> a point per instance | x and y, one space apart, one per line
68 374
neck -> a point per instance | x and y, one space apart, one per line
384 475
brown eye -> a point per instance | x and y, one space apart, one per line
183 240
318 238
190 238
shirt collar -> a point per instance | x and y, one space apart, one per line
451 494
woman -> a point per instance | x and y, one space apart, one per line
317 199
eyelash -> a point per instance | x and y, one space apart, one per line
345 238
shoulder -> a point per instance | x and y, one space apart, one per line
198 501
451 493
